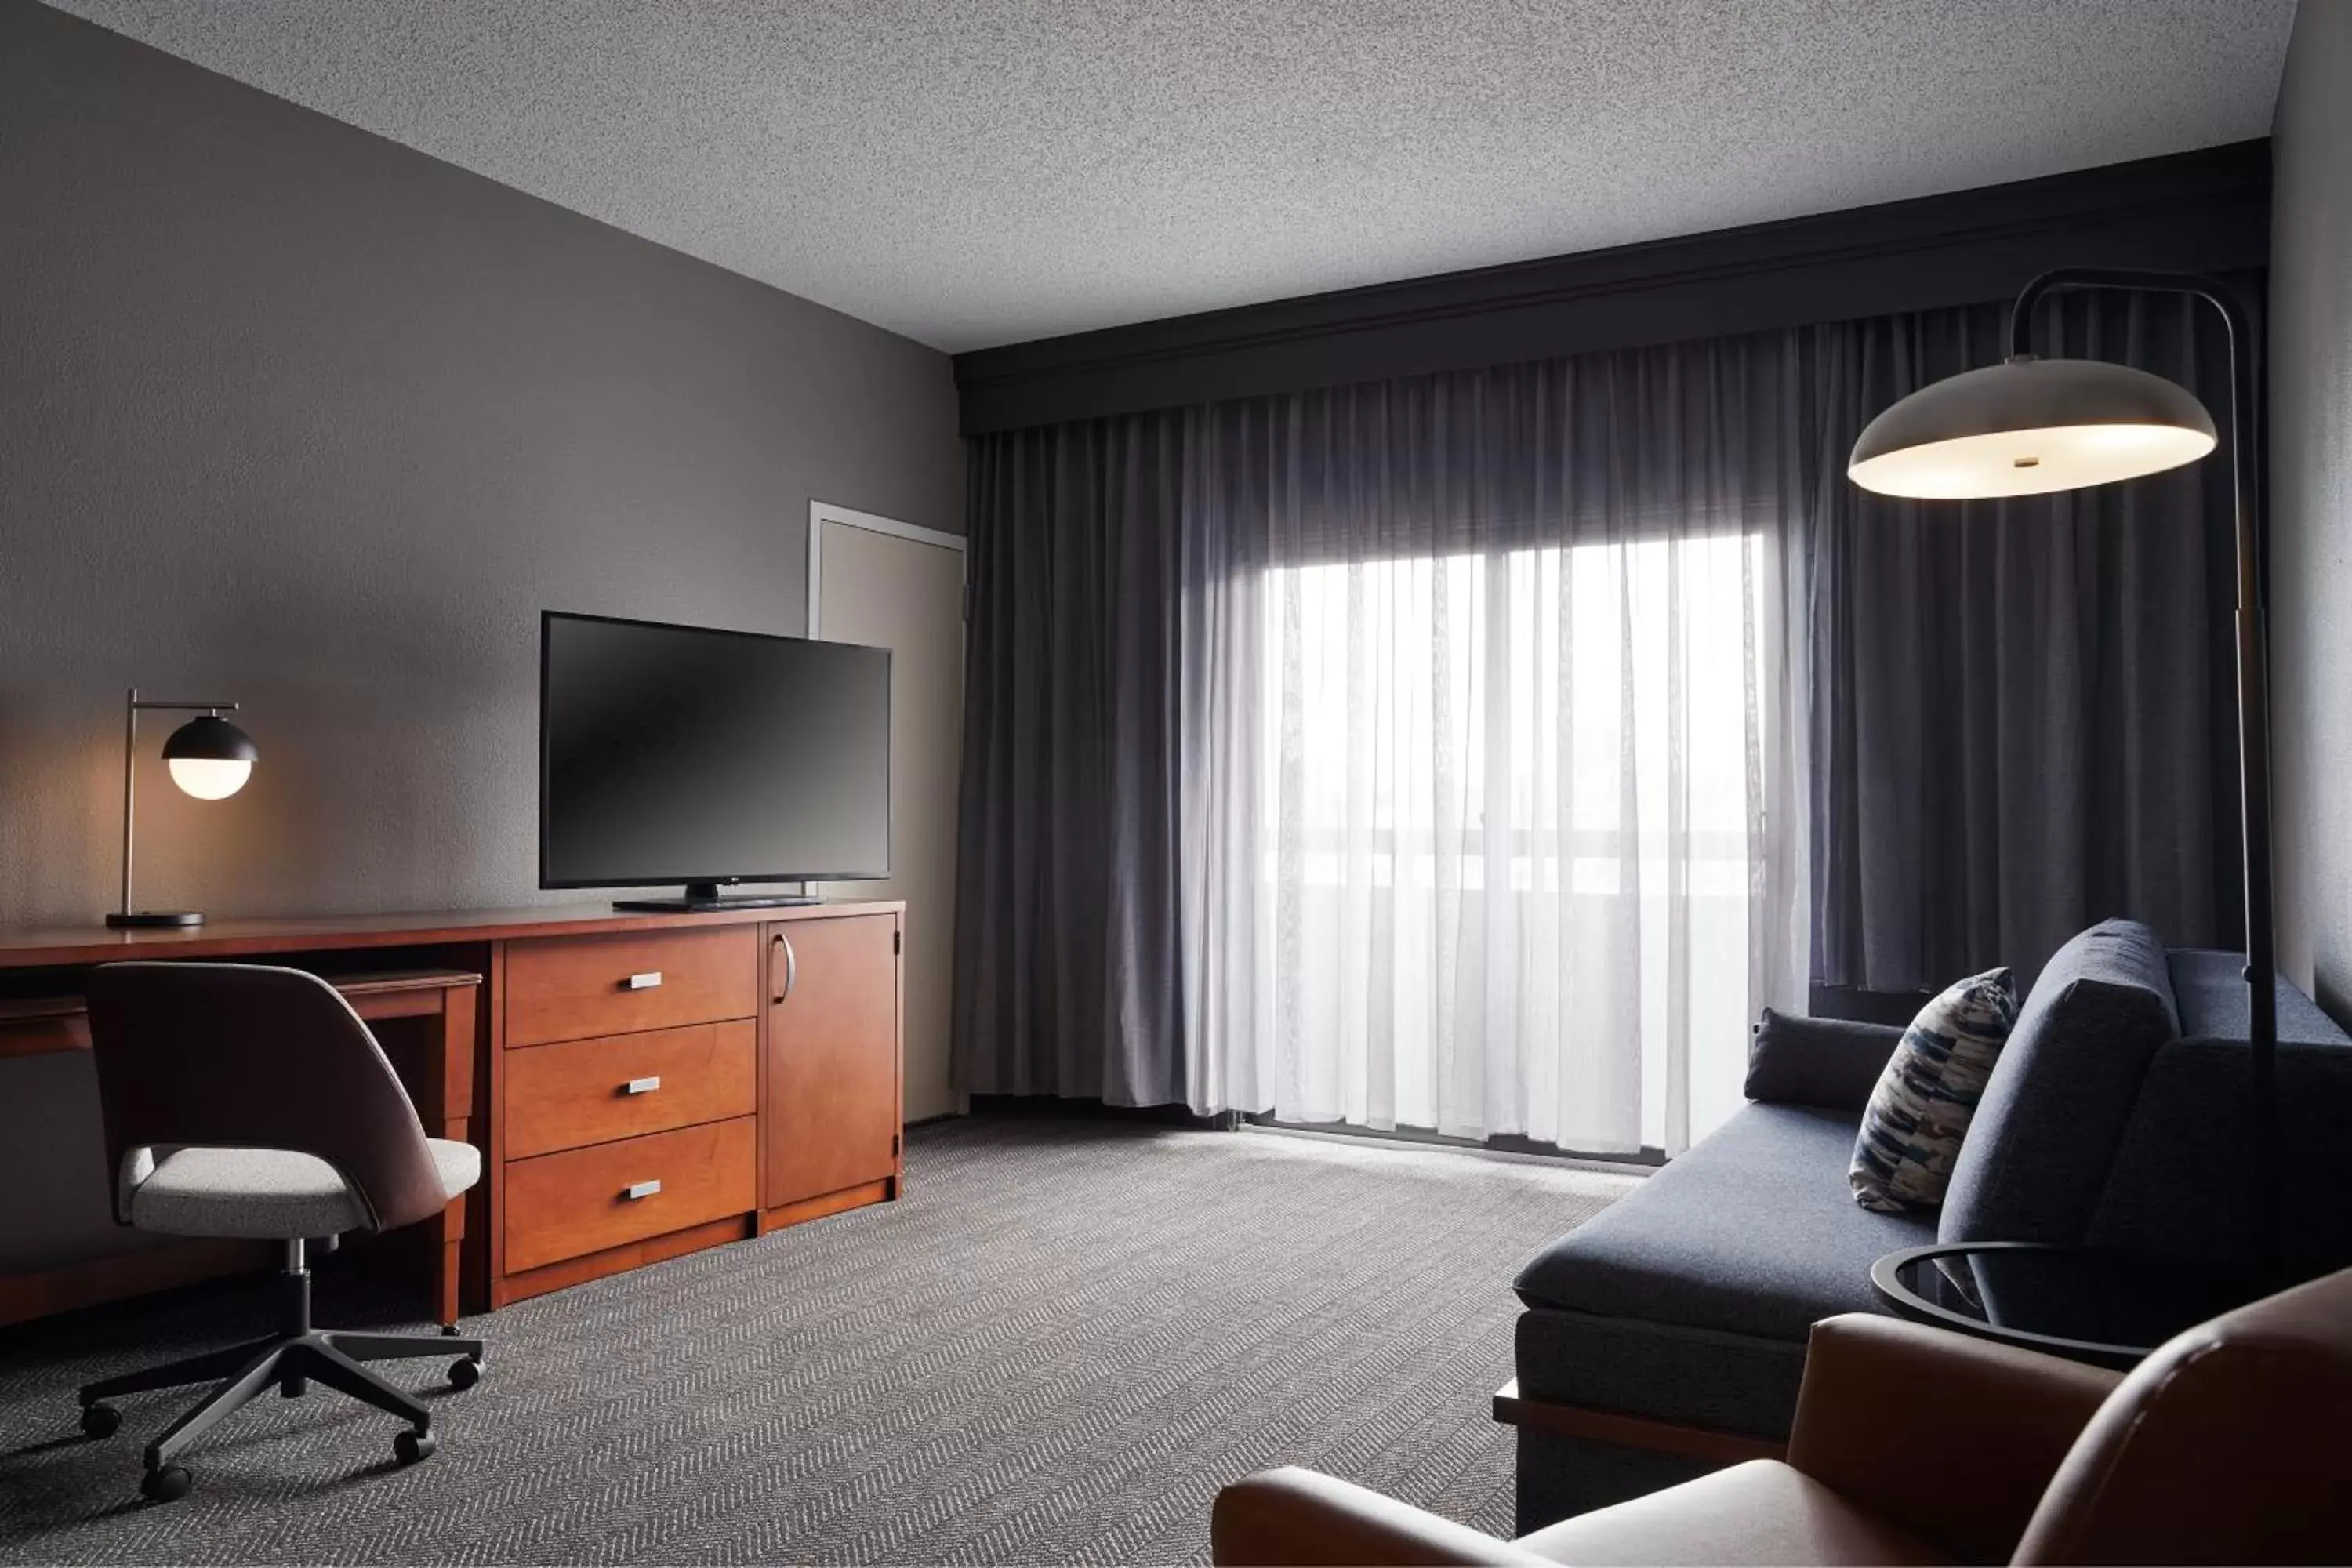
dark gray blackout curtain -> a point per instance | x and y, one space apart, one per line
2014 718
1066 976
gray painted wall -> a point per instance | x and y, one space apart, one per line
295 416
2311 502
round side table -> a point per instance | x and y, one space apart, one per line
2110 1308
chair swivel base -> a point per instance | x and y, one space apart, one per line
289 1361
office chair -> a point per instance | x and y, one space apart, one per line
245 1101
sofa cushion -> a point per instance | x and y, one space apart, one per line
1833 1063
2209 991
2037 1153
2182 1183
1920 1109
1752 1232
1692 1377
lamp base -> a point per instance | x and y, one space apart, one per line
143 920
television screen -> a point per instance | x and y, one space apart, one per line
683 754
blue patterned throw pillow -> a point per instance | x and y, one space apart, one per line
1920 1109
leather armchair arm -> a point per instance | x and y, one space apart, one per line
1277 1519
1953 1438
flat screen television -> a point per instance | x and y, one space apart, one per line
686 754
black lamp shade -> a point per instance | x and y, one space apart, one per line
210 739
210 757
2029 426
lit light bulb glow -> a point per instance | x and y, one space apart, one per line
2030 462
209 778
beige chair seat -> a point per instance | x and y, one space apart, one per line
1759 1513
274 1194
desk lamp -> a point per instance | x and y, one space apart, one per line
210 759
2031 426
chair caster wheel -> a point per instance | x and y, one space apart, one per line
465 1372
169 1484
99 1420
410 1447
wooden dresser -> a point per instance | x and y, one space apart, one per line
643 1085
660 1091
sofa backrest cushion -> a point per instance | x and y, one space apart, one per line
2208 989
2183 1181
2038 1153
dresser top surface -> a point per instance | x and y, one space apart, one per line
33 948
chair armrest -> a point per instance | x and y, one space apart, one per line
1953 1438
1833 1063
1277 1519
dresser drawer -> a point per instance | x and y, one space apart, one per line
563 1205
577 1092
572 988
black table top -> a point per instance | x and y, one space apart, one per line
2108 1308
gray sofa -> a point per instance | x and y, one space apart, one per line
2118 1115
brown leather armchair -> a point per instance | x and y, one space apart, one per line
2231 1444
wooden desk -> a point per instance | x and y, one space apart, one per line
37 1026
641 1084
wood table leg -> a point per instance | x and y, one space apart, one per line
453 1072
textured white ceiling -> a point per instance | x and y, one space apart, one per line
992 171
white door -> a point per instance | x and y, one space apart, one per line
891 585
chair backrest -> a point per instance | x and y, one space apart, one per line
2044 1136
241 1055
2232 1444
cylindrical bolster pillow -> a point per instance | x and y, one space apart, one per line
1828 1062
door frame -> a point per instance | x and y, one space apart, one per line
822 512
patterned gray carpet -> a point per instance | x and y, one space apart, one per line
1055 1348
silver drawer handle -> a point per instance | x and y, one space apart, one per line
645 981
641 1189
641 1085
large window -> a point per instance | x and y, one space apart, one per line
1512 805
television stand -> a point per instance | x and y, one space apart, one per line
704 897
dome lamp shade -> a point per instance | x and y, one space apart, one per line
2031 427
210 758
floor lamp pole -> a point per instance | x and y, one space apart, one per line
2254 709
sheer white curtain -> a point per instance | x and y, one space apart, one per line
1502 839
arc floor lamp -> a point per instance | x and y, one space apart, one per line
2031 426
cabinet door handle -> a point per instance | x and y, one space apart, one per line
640 1190
645 981
641 1085
791 967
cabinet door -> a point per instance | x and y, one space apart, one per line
831 1117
